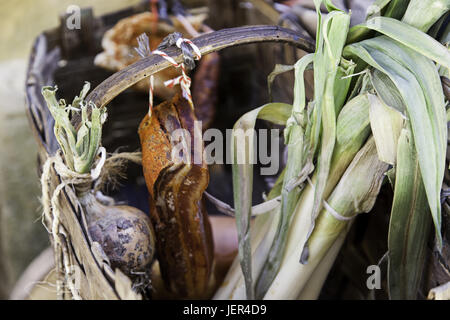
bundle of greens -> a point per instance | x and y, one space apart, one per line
379 111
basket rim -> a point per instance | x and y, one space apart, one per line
215 41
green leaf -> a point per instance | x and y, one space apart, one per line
294 136
342 83
352 132
355 193
352 122
396 9
427 120
427 76
387 8
411 37
279 69
386 124
330 6
242 148
299 86
80 147
422 14
276 189
376 8
409 224
445 38
282 112
326 63
387 91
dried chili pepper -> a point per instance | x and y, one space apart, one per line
183 232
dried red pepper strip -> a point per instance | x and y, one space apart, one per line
183 232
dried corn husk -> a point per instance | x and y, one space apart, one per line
386 124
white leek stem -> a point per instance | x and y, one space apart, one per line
259 256
260 239
355 193
314 285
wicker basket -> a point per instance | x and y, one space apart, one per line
65 57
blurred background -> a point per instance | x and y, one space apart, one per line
22 236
